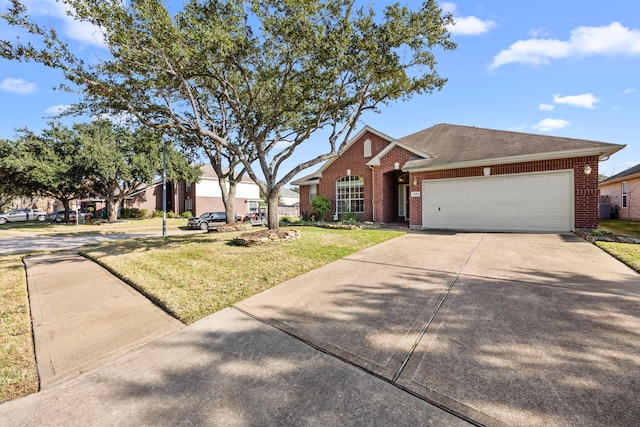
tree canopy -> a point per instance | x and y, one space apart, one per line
254 79
98 158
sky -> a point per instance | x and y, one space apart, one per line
559 68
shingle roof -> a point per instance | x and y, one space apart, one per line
631 171
452 144
447 146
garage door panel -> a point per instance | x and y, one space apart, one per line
525 202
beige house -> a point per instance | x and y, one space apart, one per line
196 197
622 193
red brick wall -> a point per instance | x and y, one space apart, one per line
614 191
585 186
352 159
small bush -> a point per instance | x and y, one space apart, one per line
186 214
351 218
131 213
144 213
321 205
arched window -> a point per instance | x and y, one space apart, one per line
350 194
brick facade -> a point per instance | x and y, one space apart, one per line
585 186
381 182
614 191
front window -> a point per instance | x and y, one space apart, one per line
313 192
350 194
624 194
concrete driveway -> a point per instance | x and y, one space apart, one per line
426 329
499 328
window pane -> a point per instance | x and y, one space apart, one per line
350 194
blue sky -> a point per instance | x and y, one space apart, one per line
558 68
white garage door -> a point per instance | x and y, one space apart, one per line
524 202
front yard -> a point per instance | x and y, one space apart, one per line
190 276
625 252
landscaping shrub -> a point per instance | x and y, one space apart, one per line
321 205
131 213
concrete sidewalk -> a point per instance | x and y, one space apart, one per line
426 329
83 315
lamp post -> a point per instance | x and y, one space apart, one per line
164 188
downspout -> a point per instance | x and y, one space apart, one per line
373 194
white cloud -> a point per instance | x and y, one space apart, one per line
586 100
613 39
468 25
57 109
546 107
628 91
18 86
81 31
549 125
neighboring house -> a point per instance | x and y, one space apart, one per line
197 198
463 178
289 197
622 193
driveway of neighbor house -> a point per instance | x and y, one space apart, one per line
428 328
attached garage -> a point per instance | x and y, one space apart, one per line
537 202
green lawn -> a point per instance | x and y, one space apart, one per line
625 252
18 374
190 276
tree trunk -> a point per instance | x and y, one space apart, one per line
113 207
272 209
228 199
65 205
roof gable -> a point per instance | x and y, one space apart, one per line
629 173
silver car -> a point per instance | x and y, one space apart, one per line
18 215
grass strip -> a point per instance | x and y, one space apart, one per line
18 372
625 252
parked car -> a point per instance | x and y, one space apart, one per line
58 216
17 215
206 219
256 216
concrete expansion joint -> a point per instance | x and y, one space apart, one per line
361 368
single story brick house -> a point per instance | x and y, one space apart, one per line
622 191
463 178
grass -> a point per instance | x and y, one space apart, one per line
128 225
621 226
625 252
18 373
196 275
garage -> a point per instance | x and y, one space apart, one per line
536 202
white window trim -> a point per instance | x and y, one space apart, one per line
349 200
625 195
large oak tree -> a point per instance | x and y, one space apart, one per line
253 79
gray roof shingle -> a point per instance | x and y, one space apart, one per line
450 144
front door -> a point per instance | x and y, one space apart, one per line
403 202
